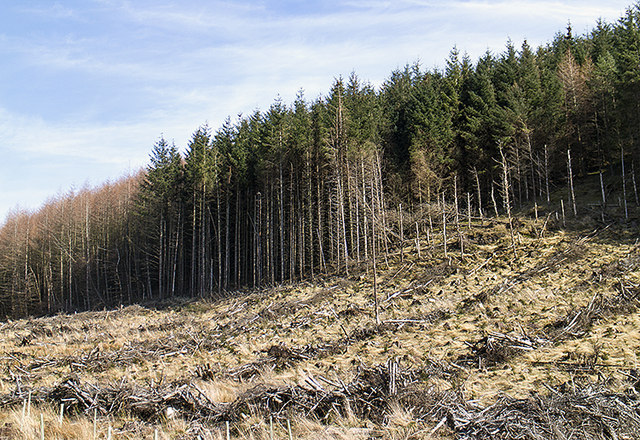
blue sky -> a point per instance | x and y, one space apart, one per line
88 86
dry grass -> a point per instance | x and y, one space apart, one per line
436 311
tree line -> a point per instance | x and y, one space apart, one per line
322 186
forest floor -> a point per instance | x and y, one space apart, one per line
541 344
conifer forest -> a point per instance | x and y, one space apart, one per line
327 185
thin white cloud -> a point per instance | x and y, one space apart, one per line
216 16
35 139
42 159
52 11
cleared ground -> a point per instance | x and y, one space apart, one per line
540 344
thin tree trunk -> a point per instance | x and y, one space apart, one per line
507 203
319 221
382 208
571 193
281 221
87 257
357 209
532 164
194 290
604 197
237 251
475 172
444 227
343 227
294 241
469 211
175 255
364 204
219 243
373 253
546 173
633 180
227 241
624 184
401 233
493 200
519 174
311 260
460 238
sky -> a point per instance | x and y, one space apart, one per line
88 86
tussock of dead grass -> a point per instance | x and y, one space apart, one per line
28 425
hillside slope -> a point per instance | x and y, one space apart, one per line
543 344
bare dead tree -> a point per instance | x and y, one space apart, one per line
418 240
507 202
624 184
493 200
373 257
479 192
604 197
546 172
633 179
469 210
444 226
572 193
400 220
455 198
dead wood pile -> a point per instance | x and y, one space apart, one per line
585 412
579 322
130 353
279 357
146 403
497 348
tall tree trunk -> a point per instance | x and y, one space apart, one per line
572 194
444 226
546 173
507 202
281 222
160 255
478 189
624 184
373 259
227 245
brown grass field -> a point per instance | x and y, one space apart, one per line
542 345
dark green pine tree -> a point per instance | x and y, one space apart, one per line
396 101
481 122
627 54
161 211
300 189
230 165
457 96
364 112
201 181
551 115
431 135
603 87
273 173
